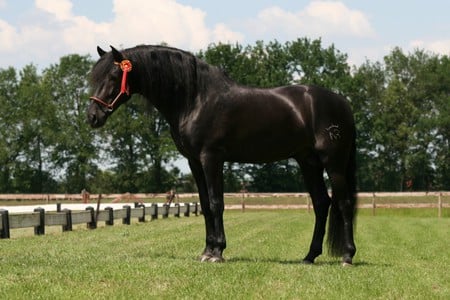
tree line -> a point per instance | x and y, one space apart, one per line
401 107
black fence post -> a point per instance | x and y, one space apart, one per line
110 220
177 211
127 219
40 229
186 209
154 214
68 226
196 208
165 213
4 233
92 224
137 205
58 207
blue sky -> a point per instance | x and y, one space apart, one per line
41 31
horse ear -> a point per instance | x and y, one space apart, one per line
100 51
118 57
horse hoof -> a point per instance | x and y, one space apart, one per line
347 264
212 259
307 262
205 258
215 259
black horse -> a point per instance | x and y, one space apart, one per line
213 119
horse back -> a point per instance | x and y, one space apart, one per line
263 125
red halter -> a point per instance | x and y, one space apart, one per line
126 67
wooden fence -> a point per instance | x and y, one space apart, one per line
374 203
40 218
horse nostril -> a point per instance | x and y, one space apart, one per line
93 119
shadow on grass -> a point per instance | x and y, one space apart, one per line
331 262
328 261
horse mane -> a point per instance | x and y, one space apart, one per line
162 72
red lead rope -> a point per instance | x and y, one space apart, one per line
125 66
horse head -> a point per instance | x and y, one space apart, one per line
110 85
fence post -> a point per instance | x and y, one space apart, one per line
154 214
137 205
127 219
40 229
374 205
92 224
166 211
68 226
110 220
440 205
186 209
196 208
4 233
177 211
308 203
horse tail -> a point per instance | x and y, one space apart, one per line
335 238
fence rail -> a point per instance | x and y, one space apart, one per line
149 196
39 218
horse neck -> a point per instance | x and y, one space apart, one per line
163 95
176 90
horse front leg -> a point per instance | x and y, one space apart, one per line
211 200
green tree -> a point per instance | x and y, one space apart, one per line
311 63
228 57
34 138
440 76
398 110
413 91
261 65
74 148
368 86
267 65
283 176
140 147
9 128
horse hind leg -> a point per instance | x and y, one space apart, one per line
313 178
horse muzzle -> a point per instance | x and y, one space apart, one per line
96 117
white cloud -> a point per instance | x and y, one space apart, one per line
222 33
165 21
61 9
52 29
319 18
436 46
156 21
55 31
7 36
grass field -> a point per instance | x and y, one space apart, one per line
400 256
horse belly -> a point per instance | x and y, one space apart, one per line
267 146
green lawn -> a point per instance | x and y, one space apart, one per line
399 257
